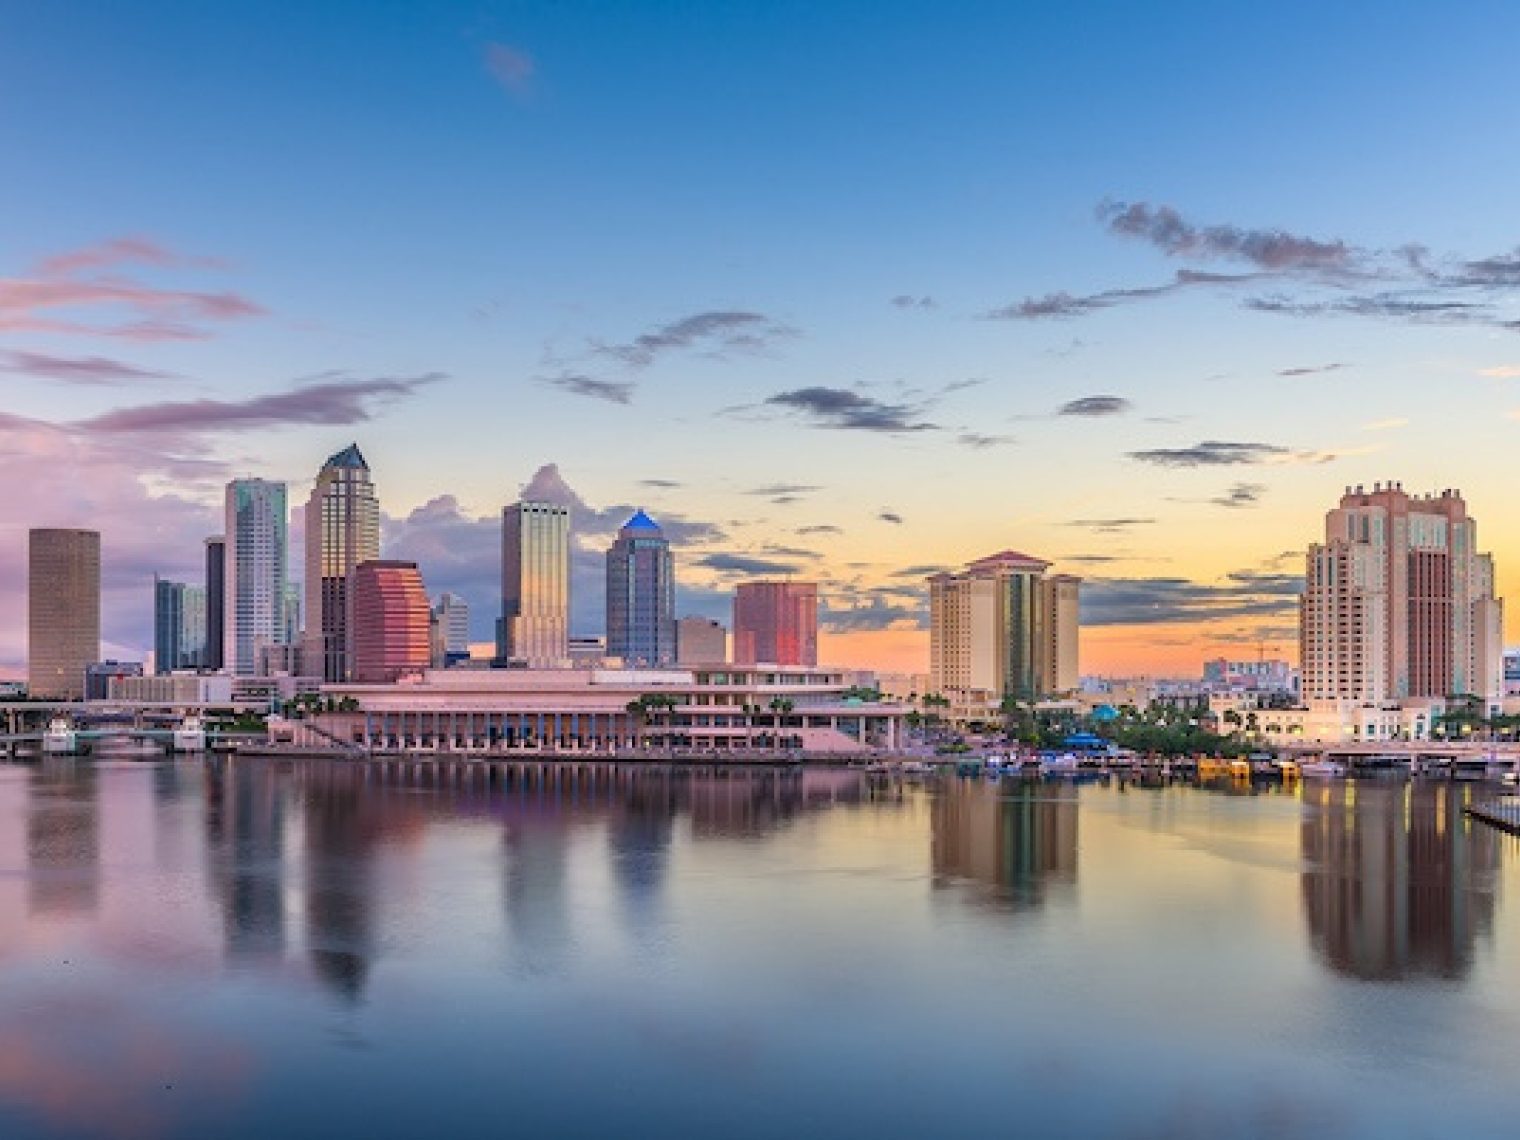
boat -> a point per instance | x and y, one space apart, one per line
60 739
1322 769
190 736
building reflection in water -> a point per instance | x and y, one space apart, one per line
245 837
63 838
1397 882
344 822
1020 842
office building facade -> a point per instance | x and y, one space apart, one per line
255 564
342 530
392 622
701 641
776 623
216 611
641 600
534 629
179 626
63 611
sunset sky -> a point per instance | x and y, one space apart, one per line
851 291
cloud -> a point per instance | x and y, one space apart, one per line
820 528
1111 526
1501 372
745 564
511 67
717 332
1311 370
1391 424
923 570
329 402
875 613
87 370
58 297
1274 250
613 391
1240 495
661 484
1063 304
979 442
1162 601
890 517
1391 306
455 551
1211 453
905 301
849 410
548 485
786 489
1093 406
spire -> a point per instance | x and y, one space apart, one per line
350 456
641 522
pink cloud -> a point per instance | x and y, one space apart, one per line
512 67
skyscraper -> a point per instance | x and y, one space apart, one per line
391 621
255 558
535 585
641 600
179 626
342 530
1002 628
216 610
453 614
776 623
701 641
63 611
1398 604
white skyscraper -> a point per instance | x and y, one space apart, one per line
254 598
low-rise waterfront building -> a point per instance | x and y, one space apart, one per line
722 711
173 689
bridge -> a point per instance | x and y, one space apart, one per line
26 723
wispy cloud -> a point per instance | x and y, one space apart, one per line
850 410
1165 601
1063 304
1276 250
1240 495
906 301
980 442
1501 372
1095 406
612 391
746 564
511 67
1211 453
88 370
890 517
330 402
1311 370
1111 525
1391 424
717 333
820 528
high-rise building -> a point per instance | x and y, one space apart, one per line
535 586
342 530
641 595
179 626
392 621
1003 627
1399 605
63 611
255 562
453 614
216 611
701 641
776 623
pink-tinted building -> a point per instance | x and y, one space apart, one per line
392 621
776 623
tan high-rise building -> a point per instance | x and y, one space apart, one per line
776 623
1003 627
534 629
63 611
701 641
342 530
1398 604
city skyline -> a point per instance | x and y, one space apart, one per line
952 304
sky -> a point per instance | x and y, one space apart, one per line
850 291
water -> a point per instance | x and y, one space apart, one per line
260 950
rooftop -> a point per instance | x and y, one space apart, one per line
350 457
642 522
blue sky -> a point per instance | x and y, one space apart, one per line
442 229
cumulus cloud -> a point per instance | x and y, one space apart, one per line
455 551
717 333
612 391
86 370
849 410
1094 406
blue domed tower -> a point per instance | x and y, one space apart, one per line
641 595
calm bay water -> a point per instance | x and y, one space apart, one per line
253 949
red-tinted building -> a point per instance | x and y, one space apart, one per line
776 623
392 620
